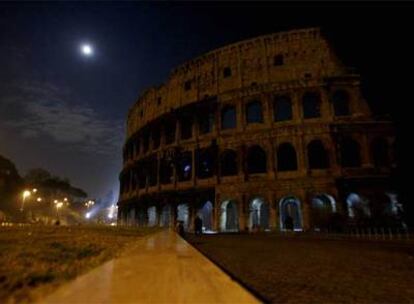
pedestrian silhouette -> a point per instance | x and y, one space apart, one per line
288 222
180 228
198 225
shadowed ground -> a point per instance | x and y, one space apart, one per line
301 269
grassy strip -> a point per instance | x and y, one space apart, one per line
35 260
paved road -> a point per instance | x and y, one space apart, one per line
162 268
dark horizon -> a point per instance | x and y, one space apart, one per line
66 113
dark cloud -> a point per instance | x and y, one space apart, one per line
42 109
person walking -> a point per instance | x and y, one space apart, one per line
198 225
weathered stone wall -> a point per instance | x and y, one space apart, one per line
257 72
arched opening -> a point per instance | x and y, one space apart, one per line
229 221
350 153
141 217
169 131
259 214
317 156
166 170
206 214
205 163
228 117
152 216
156 137
152 171
185 166
380 152
165 219
311 105
186 126
254 113
323 205
282 108
340 101
256 160
290 214
183 215
286 158
358 207
228 163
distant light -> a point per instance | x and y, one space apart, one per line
26 193
87 50
65 199
39 199
187 168
34 190
88 215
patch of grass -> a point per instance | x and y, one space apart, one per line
310 270
34 260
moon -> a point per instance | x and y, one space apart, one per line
86 49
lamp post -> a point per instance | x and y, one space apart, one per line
26 194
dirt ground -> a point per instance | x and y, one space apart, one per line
35 260
297 269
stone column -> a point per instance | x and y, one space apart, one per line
242 209
272 212
366 160
217 212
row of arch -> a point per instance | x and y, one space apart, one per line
256 161
259 218
282 111
282 108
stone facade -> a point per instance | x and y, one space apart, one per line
265 134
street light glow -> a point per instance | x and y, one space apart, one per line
26 194
39 199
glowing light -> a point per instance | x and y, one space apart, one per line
34 190
65 199
55 201
39 199
59 205
26 194
187 168
87 50
88 215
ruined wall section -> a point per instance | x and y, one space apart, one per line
288 57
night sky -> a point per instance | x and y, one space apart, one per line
65 112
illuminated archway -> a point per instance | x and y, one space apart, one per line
165 218
229 221
152 216
183 214
290 213
206 214
258 214
357 206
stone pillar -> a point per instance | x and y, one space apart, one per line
301 155
272 212
366 160
270 160
243 212
193 167
296 100
217 212
158 170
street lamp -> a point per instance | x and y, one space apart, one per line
26 194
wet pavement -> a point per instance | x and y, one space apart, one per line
162 268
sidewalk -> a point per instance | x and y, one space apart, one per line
162 268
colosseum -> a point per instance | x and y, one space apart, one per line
265 134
